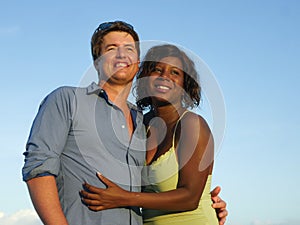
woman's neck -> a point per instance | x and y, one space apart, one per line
169 113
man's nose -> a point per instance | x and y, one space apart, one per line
121 52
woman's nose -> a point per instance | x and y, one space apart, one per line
165 74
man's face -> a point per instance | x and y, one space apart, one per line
119 58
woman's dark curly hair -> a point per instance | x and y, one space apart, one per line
192 90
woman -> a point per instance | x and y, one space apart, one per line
180 146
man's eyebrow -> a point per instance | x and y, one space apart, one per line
130 44
116 45
110 45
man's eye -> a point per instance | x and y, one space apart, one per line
110 48
130 49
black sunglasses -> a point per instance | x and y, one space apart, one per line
107 25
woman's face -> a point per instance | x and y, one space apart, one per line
166 81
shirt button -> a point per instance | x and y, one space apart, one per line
123 126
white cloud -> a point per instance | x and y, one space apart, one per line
24 217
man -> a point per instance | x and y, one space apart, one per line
79 131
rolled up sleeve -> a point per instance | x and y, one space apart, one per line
48 135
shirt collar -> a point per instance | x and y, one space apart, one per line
94 88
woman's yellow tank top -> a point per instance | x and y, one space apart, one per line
161 176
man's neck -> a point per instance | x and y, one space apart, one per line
118 94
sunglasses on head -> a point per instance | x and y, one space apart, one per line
107 25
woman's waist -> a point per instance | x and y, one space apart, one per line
153 215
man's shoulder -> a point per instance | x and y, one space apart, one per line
67 91
64 94
133 106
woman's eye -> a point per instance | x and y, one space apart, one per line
175 72
158 70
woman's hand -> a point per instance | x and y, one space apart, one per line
219 205
98 199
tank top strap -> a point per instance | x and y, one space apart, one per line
173 141
147 129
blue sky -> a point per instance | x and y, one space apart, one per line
252 47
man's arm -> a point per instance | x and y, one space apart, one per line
44 196
219 205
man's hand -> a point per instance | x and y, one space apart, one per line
219 205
